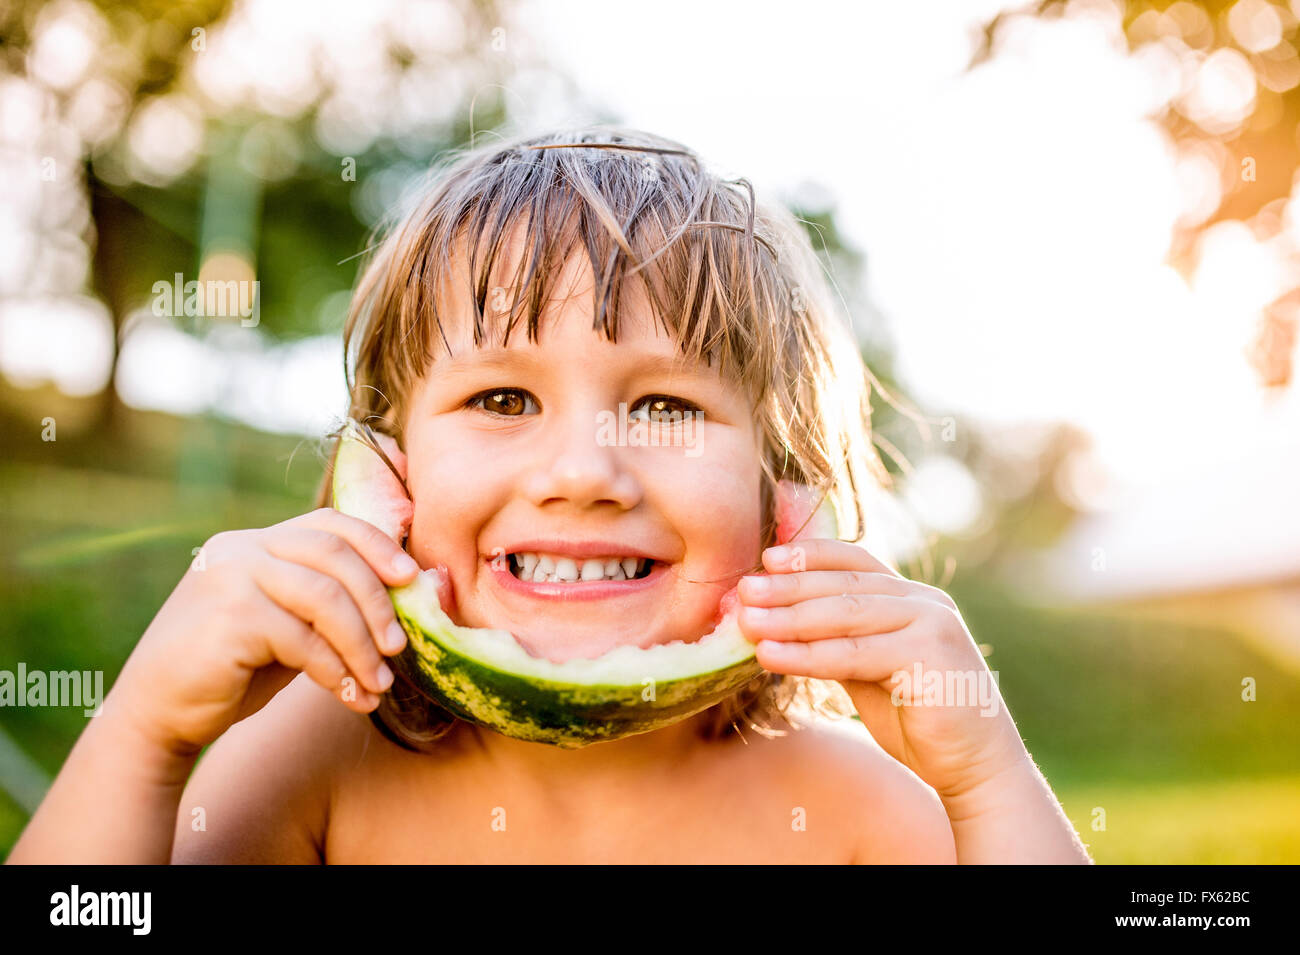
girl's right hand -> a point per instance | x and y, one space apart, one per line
255 608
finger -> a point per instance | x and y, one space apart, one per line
823 554
827 618
323 602
390 563
779 590
872 659
298 646
335 556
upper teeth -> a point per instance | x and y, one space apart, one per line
551 568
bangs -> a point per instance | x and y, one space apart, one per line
653 227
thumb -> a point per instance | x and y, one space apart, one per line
267 681
879 715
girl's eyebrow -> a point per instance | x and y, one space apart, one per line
642 363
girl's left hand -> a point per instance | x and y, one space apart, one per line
830 610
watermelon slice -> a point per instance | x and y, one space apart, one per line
486 676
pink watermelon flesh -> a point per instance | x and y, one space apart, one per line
393 509
795 515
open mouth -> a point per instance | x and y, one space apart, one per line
548 568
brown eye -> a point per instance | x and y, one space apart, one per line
507 402
662 409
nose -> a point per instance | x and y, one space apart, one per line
576 465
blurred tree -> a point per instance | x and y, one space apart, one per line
1218 52
203 127
141 47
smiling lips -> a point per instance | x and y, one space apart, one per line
565 581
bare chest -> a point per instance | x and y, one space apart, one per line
400 811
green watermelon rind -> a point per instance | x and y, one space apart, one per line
485 676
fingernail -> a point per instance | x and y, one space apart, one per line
757 585
384 676
404 564
394 637
755 613
779 554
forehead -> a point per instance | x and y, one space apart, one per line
565 319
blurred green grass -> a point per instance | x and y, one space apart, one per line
99 528
1183 822
1100 696
1145 720
1142 718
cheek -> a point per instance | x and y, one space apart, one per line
717 509
734 529
449 491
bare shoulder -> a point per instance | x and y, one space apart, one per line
262 792
890 815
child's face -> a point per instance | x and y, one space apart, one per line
534 466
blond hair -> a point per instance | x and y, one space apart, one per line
733 281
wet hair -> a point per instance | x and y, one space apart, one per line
734 282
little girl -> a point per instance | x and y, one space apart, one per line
534 287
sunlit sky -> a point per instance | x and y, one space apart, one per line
1015 220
